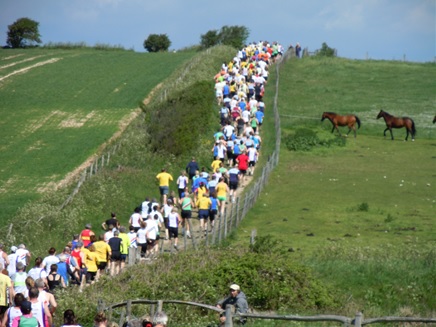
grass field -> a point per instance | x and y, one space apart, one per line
59 106
363 215
373 185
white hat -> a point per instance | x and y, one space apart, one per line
13 249
235 287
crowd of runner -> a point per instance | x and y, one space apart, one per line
239 90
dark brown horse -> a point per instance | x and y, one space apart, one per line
338 120
398 122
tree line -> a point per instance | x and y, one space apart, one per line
24 33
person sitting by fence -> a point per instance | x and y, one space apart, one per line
160 319
238 300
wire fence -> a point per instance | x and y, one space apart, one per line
122 312
235 211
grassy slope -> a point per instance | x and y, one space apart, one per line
312 201
42 109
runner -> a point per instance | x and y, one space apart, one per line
164 180
203 204
222 189
186 204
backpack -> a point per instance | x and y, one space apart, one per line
28 322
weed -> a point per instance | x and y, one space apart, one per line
363 207
389 218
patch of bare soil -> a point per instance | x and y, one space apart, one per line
14 56
26 69
122 127
76 123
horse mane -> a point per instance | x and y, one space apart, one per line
387 113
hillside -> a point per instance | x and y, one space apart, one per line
359 216
59 106
362 214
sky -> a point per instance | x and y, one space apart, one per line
358 29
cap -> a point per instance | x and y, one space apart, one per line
88 226
13 249
63 258
26 307
235 287
116 233
20 265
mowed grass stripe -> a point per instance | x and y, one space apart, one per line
56 116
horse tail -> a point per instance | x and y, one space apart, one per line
413 128
357 121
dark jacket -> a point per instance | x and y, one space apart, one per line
191 167
240 303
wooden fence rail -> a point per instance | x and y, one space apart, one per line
158 305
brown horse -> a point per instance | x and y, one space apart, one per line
338 120
398 122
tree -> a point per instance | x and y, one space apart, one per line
24 32
157 43
326 51
234 36
209 39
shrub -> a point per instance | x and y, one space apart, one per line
175 125
306 139
271 281
363 207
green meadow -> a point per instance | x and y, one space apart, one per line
58 107
361 215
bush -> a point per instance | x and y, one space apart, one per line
306 139
177 124
271 281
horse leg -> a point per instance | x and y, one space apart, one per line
338 130
333 129
352 127
390 130
407 134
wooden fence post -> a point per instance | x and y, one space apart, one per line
253 237
358 319
225 222
238 215
229 317
132 256
159 305
100 305
128 309
191 229
152 311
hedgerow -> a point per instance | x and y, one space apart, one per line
272 280
175 127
